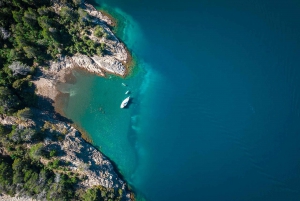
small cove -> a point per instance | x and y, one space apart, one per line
215 110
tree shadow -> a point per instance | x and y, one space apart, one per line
46 112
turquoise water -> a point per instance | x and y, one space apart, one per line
215 112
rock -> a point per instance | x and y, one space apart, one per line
62 63
87 63
110 64
11 120
95 64
97 14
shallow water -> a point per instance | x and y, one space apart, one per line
215 112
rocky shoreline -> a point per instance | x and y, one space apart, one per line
114 62
82 157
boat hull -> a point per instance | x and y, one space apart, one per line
125 102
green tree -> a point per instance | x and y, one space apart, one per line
99 32
66 13
18 166
30 18
43 10
37 151
83 15
53 153
30 51
77 2
6 173
25 113
9 102
17 15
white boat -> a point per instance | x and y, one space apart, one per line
125 102
124 84
127 92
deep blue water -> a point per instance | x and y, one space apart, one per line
219 118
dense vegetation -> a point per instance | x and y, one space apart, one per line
32 33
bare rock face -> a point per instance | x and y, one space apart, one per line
96 14
109 64
11 120
8 120
62 62
96 64
87 63
86 159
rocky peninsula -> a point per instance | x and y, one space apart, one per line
114 61
59 148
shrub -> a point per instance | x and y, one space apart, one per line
18 166
36 151
19 135
66 13
92 194
54 164
99 32
53 153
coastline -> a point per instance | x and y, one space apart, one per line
63 73
36 124
105 13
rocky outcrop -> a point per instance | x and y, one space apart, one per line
110 65
78 60
96 64
79 156
84 159
8 120
97 15
11 120
114 59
